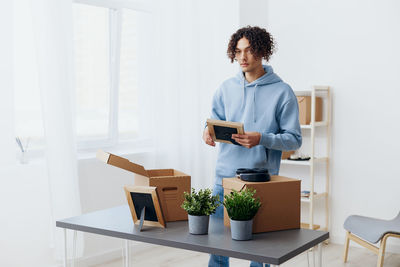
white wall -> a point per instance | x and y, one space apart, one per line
253 13
351 46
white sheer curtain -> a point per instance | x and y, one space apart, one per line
7 135
191 54
52 26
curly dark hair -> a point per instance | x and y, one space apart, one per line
261 42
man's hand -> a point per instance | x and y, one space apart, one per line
207 137
248 139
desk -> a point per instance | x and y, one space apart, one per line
273 247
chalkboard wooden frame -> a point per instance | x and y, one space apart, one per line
238 126
146 190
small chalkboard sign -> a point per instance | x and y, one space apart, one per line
144 205
221 131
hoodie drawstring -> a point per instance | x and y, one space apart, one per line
254 104
244 95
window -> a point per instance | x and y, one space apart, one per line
128 94
106 74
92 71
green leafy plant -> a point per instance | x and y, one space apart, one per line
242 206
200 203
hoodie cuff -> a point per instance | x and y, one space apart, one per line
265 139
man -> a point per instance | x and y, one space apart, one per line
266 106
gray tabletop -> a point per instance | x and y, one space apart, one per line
273 247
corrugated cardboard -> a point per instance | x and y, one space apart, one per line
170 184
305 109
280 202
286 154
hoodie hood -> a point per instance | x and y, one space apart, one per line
268 78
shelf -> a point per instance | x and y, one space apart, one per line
319 90
312 93
316 196
304 163
303 93
307 226
317 124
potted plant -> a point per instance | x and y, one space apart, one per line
241 207
199 206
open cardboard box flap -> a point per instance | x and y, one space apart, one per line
238 185
170 184
235 184
122 163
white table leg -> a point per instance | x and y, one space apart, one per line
74 249
320 255
313 255
127 258
65 247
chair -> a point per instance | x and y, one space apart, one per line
367 231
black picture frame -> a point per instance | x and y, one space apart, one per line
221 131
144 205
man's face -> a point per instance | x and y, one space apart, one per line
246 59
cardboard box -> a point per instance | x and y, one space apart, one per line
305 109
170 184
280 202
286 154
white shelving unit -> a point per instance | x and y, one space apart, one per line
324 92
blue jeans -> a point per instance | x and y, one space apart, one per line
222 261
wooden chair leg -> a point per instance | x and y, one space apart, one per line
381 254
346 246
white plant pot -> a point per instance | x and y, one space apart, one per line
198 225
242 230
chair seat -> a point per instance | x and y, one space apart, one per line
371 229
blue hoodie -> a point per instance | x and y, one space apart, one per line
266 105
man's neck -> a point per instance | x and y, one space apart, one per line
254 75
